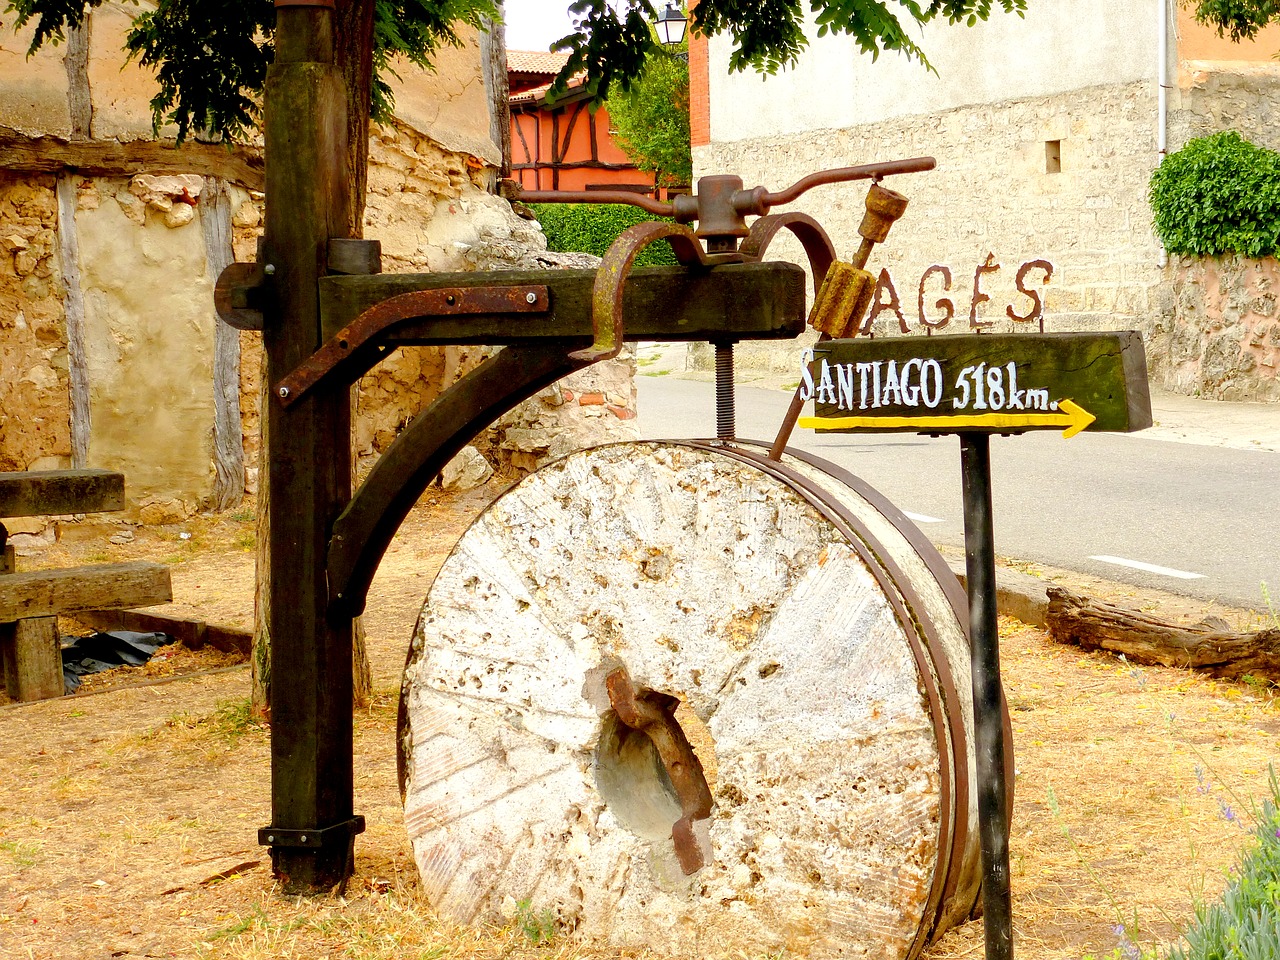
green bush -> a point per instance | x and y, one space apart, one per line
1218 195
1244 924
591 227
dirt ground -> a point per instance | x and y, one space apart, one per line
128 813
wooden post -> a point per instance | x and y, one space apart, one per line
30 654
32 658
313 827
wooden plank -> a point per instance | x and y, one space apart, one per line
228 433
73 310
980 383
48 593
38 493
32 658
79 99
109 158
193 634
756 301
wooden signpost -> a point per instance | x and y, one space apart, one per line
986 383
974 386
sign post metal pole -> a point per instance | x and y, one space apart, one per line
993 813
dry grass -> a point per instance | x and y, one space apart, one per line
128 819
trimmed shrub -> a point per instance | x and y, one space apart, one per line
592 227
1218 195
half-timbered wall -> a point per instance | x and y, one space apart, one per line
568 147
110 354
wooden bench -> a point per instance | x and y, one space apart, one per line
30 603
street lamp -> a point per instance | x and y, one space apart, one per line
670 23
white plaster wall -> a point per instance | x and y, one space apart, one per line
1060 46
149 342
450 102
121 91
33 90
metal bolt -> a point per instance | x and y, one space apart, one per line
271 838
269 269
284 393
531 297
304 838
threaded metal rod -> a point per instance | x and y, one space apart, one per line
725 413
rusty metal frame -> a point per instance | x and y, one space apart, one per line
611 277
940 689
343 354
364 530
653 715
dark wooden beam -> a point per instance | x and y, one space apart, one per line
109 158
311 835
575 165
759 301
40 493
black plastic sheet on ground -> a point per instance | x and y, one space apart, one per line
103 651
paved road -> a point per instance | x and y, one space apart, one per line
1208 515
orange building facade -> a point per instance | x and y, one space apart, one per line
565 145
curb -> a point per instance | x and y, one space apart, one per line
1018 595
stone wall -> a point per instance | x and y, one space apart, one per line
35 414
1059 178
995 199
1215 96
1222 338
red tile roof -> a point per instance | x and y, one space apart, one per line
533 61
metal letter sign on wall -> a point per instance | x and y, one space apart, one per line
980 383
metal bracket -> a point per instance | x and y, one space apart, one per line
652 715
309 839
447 301
611 278
242 293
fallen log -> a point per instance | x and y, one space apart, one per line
1094 625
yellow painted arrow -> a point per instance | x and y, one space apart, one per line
1070 415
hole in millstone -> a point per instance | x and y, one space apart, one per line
633 781
631 777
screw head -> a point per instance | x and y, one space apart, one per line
304 838
284 393
271 838
530 297
269 269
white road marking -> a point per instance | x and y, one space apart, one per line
921 518
1151 568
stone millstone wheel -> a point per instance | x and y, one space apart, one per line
780 621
